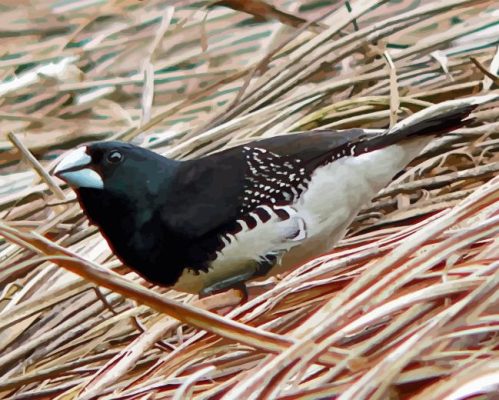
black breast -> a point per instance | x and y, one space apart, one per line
137 237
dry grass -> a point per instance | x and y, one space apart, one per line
407 306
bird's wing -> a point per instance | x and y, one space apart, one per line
221 188
239 201
214 191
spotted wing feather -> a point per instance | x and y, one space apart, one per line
252 185
271 179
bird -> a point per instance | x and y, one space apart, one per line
244 213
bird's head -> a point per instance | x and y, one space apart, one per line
113 167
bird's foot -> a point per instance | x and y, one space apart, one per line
236 282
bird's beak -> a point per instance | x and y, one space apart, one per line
75 169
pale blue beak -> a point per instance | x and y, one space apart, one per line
72 169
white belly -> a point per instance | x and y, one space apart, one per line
338 191
335 195
243 251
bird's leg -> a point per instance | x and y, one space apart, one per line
234 282
239 281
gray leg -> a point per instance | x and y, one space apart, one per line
238 281
234 282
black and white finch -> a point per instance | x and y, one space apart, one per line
251 211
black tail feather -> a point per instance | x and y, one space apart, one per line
434 126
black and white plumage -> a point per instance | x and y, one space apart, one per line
247 212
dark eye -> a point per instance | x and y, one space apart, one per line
114 157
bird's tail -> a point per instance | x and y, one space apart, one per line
433 121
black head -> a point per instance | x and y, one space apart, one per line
114 167
116 179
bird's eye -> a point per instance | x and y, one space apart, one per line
114 157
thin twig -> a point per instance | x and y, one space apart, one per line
37 166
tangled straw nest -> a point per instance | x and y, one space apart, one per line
405 307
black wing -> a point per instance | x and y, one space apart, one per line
217 189
212 192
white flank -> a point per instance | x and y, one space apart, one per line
338 191
245 250
335 195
